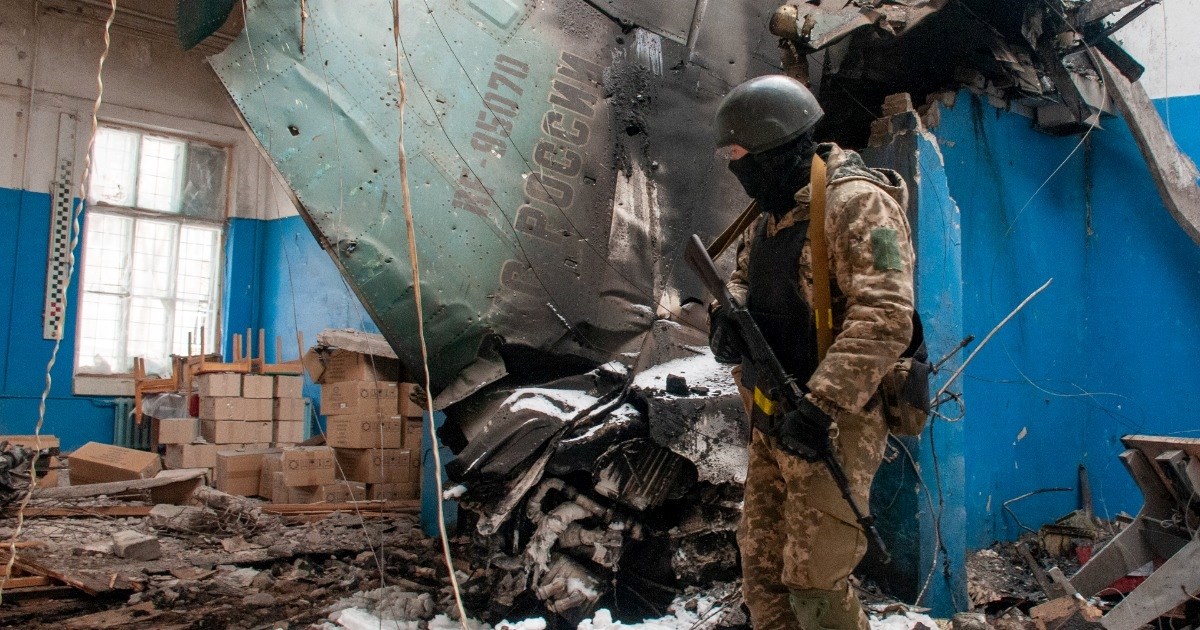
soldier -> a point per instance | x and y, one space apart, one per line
799 539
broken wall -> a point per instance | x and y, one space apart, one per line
1107 350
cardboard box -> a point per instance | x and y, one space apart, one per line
177 456
258 386
308 466
345 365
359 397
98 463
414 434
393 491
341 492
288 410
237 472
283 493
252 409
289 386
47 473
271 463
287 432
406 406
364 431
389 465
173 430
219 384
222 408
235 432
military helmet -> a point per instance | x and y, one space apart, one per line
766 112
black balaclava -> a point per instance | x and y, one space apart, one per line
772 177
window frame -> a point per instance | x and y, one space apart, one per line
121 383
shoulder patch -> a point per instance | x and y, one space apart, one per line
885 250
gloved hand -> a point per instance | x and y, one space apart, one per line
804 431
723 336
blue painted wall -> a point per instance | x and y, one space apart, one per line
23 351
1105 349
299 288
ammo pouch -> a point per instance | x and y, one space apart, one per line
904 391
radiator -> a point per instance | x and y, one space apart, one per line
125 432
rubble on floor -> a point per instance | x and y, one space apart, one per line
210 571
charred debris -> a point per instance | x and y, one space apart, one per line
1039 58
618 485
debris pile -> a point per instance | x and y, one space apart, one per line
617 489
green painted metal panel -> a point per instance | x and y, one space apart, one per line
556 161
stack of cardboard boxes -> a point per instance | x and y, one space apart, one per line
238 413
372 424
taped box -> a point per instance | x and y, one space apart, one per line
414 434
364 431
258 386
173 430
289 386
219 384
331 366
307 466
237 472
236 431
341 492
176 456
252 409
280 492
359 397
287 433
99 463
411 402
393 491
388 465
288 410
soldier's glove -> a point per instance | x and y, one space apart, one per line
723 336
804 431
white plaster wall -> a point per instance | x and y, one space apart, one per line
148 82
1166 39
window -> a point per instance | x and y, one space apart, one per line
151 250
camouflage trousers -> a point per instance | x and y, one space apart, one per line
798 538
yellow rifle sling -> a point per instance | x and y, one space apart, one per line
819 248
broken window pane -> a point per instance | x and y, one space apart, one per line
150 281
203 192
115 164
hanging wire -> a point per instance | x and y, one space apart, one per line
416 274
76 227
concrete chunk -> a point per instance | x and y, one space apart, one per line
133 545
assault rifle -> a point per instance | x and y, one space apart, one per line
783 389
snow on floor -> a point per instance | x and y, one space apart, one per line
360 619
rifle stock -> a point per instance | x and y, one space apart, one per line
784 387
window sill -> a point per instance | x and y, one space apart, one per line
102 385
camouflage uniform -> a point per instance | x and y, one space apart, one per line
798 537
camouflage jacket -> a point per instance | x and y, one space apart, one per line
871 265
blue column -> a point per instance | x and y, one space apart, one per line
919 504
429 484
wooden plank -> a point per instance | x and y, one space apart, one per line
29 566
119 511
289 509
25 582
114 487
